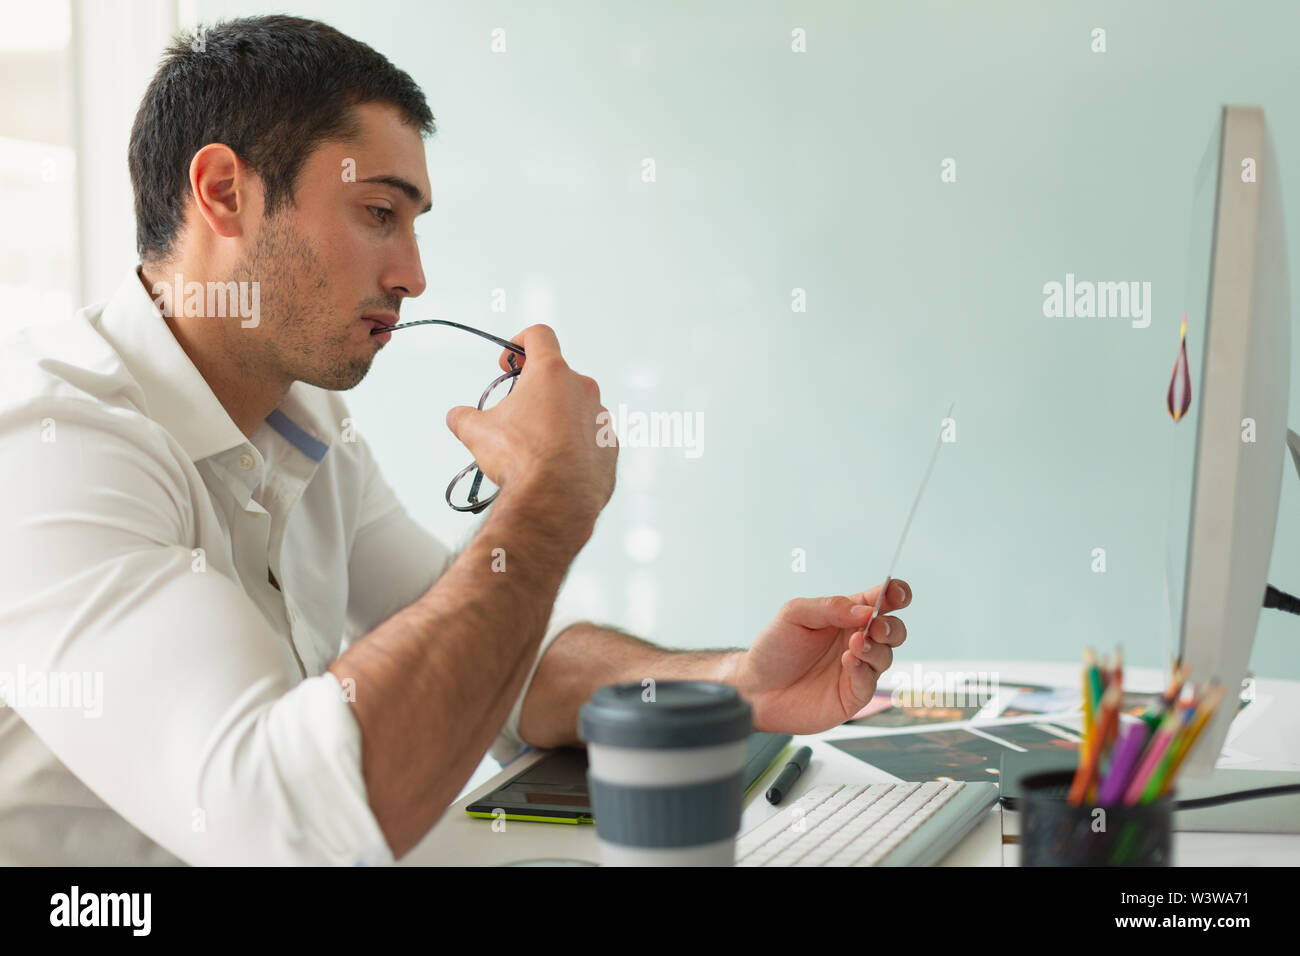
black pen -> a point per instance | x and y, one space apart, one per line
785 780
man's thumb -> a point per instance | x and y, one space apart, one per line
459 417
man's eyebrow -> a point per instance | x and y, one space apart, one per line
411 191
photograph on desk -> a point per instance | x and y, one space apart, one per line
957 754
1028 699
1044 736
909 709
958 702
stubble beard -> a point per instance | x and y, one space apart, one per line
300 343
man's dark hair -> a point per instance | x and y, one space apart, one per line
271 88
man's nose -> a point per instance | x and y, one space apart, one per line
407 276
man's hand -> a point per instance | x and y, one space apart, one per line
542 438
813 668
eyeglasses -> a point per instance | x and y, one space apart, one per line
472 502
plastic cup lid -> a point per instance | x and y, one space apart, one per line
665 714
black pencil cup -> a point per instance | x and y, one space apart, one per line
1054 833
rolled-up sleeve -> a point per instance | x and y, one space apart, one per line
395 559
206 739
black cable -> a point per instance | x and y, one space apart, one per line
1281 600
1239 795
1013 803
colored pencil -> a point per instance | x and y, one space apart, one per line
1115 680
1209 704
1156 717
1151 757
1087 692
1090 759
1097 684
1131 741
1155 785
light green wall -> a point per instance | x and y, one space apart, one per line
821 170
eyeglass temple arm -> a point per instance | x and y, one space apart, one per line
474 486
456 325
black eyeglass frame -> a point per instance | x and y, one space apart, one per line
475 506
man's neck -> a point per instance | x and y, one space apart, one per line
246 394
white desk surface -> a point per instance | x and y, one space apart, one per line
1264 731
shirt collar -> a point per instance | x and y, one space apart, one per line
178 397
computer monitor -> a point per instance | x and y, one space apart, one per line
1242 330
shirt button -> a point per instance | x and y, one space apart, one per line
293 616
245 461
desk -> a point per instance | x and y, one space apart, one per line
1265 731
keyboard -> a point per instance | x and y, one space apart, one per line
882 824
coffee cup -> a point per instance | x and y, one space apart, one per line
666 763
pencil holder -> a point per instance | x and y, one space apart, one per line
1054 833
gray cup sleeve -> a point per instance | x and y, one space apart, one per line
667 816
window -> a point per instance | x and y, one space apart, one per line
38 188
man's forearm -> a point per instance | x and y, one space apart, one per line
585 657
435 682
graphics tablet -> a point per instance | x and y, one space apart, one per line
554 790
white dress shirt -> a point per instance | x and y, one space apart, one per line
138 525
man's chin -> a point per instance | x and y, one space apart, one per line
340 378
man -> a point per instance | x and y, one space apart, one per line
294 671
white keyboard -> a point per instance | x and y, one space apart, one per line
867 825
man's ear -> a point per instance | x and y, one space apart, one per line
224 190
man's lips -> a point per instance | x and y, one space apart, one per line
379 322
